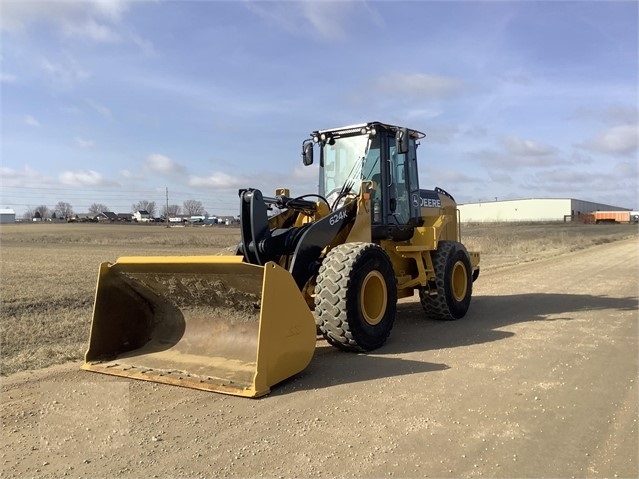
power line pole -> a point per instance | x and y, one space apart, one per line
166 211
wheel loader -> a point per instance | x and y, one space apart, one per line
330 264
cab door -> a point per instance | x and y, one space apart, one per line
412 173
400 203
400 189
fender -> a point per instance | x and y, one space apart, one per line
316 237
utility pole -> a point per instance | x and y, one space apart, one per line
166 211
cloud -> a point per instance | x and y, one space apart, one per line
131 177
300 180
17 16
564 176
615 184
622 114
452 176
282 16
163 165
618 140
66 72
84 178
327 21
627 169
218 180
8 78
101 109
515 152
83 143
515 77
614 114
422 114
522 147
146 46
306 173
92 30
27 176
31 121
579 157
498 177
454 180
500 159
68 17
97 21
441 134
418 85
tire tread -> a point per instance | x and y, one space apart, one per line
332 304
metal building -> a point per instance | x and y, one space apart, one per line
7 215
532 209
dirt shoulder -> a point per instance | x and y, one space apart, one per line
538 380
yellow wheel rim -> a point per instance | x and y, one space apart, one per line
459 281
373 298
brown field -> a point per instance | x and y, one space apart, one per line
48 272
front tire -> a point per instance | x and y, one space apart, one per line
453 283
356 297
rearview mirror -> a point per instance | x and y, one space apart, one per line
307 152
401 138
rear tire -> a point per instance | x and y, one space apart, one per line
356 297
453 281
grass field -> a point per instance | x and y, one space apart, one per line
48 272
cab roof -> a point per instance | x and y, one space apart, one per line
346 130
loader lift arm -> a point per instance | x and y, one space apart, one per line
301 245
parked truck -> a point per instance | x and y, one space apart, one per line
615 217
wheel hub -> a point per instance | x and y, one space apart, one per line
459 281
373 298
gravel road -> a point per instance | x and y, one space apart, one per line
538 380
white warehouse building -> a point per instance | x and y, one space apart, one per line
532 209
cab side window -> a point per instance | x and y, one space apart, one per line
399 192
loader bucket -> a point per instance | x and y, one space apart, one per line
209 322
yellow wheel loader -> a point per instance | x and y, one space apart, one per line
331 263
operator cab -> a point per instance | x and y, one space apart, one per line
384 154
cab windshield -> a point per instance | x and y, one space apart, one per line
346 162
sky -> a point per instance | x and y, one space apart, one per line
117 101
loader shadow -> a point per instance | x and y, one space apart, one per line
331 367
414 332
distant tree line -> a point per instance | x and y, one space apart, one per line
65 210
